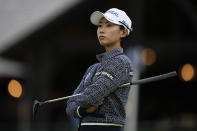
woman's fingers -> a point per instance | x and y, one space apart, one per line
100 103
93 108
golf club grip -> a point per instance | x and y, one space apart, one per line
62 98
151 79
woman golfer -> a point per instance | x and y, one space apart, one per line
101 105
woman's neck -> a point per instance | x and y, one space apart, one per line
109 48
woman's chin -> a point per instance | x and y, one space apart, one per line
104 44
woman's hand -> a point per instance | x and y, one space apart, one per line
92 109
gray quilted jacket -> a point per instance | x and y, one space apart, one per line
101 83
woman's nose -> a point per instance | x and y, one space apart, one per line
101 30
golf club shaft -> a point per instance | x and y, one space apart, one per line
151 79
142 81
62 98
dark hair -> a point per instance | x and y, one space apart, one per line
122 28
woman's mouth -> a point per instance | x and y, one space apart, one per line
101 37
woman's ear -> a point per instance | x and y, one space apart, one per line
124 33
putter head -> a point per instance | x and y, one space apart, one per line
36 105
35 108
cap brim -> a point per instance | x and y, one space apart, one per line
96 17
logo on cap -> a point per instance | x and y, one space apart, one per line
113 13
124 23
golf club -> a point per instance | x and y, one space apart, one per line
37 103
142 81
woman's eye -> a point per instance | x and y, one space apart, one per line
109 25
99 25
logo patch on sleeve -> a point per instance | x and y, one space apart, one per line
105 74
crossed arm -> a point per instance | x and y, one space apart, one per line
92 96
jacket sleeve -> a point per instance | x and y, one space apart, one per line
72 105
108 80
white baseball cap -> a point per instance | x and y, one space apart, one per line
113 15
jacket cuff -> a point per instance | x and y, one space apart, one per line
81 112
79 115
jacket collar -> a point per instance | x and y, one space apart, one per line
109 54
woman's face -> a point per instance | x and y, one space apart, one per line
108 33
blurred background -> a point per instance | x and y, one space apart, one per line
46 46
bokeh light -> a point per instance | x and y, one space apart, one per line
187 72
148 56
15 88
